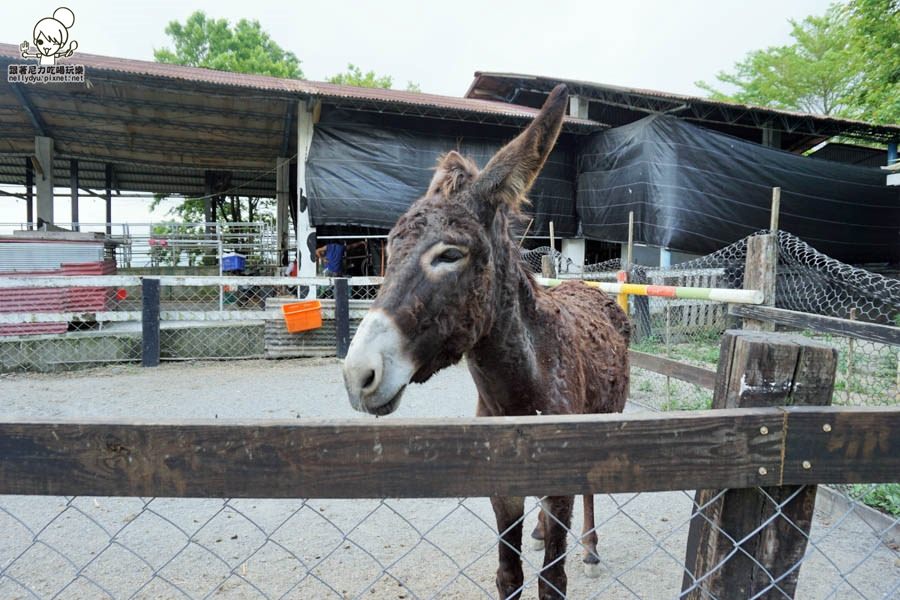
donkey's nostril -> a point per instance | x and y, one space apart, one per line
368 379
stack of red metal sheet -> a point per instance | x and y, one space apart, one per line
55 300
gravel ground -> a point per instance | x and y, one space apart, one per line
333 548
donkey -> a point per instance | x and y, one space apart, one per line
456 286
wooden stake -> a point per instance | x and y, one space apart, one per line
548 267
850 349
527 229
760 273
776 208
630 248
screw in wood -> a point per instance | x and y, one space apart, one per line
807 464
763 471
826 427
764 430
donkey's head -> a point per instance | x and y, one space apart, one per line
437 299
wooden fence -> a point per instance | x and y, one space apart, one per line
768 431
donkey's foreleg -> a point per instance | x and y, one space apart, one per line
557 519
589 540
509 511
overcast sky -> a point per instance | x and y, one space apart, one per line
664 45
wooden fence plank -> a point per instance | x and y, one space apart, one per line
882 334
842 447
705 378
463 457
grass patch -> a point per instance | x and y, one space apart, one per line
884 496
699 401
645 386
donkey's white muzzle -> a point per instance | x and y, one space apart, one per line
377 369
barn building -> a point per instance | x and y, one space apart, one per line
347 161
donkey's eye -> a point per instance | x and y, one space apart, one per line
450 255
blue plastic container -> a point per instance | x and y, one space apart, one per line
233 262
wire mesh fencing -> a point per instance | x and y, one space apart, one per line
174 245
83 547
59 324
807 281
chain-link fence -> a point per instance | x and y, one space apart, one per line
104 547
173 246
82 547
66 323
807 281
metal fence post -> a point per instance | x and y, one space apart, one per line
342 315
150 322
741 540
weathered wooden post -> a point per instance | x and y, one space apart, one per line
643 328
760 271
150 322
548 269
744 542
342 315
548 264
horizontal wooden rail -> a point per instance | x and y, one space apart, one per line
882 334
705 378
461 457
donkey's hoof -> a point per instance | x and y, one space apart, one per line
593 570
536 544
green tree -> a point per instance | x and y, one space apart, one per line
228 209
215 44
243 48
876 39
817 73
355 76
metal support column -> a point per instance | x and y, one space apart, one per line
108 199
306 234
73 184
43 150
29 192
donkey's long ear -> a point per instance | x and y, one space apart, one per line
509 174
453 173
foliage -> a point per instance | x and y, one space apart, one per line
355 76
699 400
164 249
876 24
232 209
215 44
843 63
885 497
816 73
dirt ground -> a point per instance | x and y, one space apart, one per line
442 548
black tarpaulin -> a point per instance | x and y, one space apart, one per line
696 190
367 169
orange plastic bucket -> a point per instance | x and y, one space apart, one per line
302 316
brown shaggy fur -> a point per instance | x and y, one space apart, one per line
530 350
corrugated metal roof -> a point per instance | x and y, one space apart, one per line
291 86
544 82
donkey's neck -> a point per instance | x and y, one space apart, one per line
504 363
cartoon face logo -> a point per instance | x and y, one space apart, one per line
50 37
